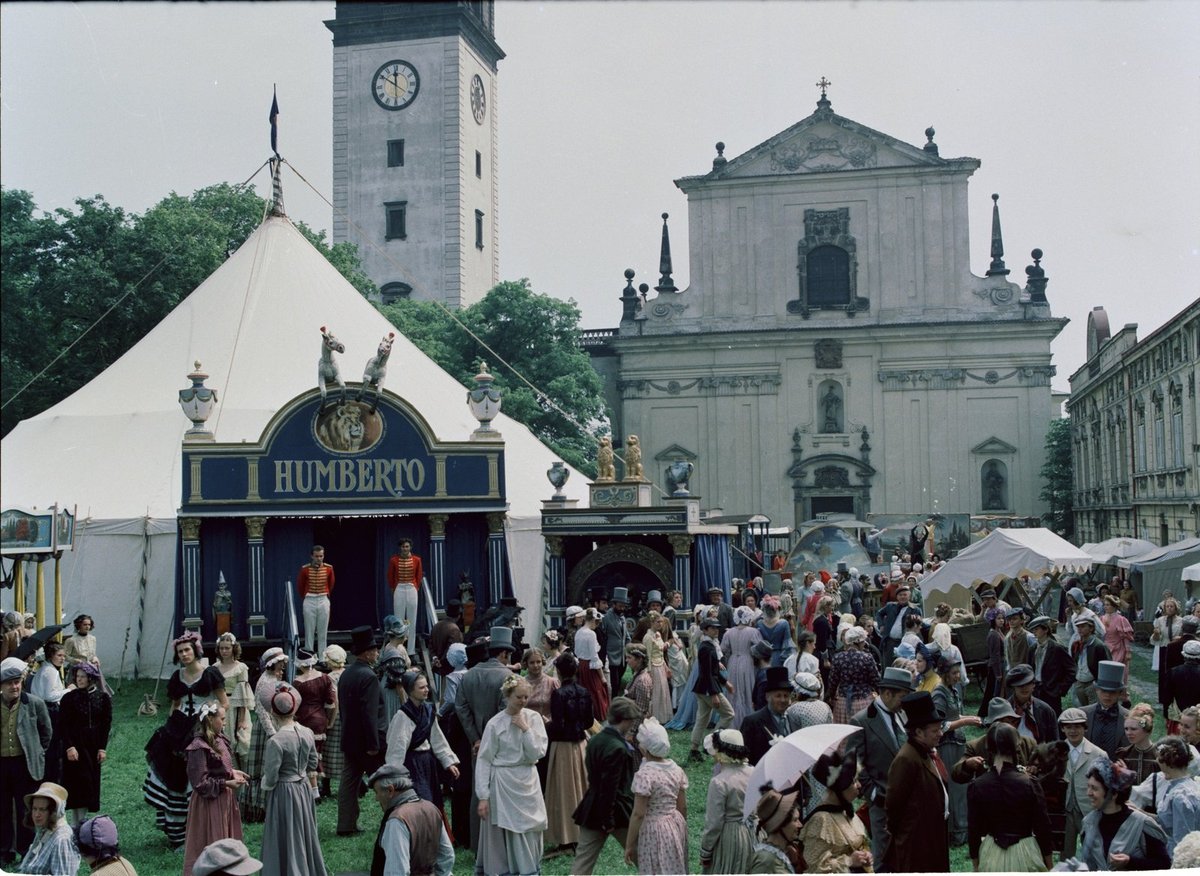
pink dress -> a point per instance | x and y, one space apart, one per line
662 840
1118 633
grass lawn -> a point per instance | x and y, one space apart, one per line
146 847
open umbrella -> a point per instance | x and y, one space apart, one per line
790 756
36 640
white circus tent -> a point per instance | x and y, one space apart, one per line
113 447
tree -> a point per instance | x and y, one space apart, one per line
96 267
534 335
1058 480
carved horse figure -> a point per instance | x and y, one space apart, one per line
376 370
327 367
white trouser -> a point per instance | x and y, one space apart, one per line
404 606
316 623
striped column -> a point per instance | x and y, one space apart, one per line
495 554
190 534
258 599
437 558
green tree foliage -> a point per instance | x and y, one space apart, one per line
61 272
539 337
1058 480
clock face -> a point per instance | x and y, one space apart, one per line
395 85
478 99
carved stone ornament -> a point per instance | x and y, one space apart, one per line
620 552
828 353
606 469
255 527
824 154
554 544
998 295
495 521
437 525
830 477
680 544
720 384
190 526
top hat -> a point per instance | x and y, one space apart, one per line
1111 676
654 596
501 639
919 710
1020 674
362 639
998 707
896 678
777 679
620 594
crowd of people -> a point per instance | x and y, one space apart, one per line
521 753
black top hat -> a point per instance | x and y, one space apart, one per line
1020 674
777 679
919 710
362 639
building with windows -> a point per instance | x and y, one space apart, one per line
834 351
414 146
1135 431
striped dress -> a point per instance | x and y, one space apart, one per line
254 798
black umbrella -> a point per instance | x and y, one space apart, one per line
31 643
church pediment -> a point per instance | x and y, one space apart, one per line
825 142
993 447
674 452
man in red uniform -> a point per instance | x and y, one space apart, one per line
404 577
315 585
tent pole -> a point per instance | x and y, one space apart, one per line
19 585
39 608
58 606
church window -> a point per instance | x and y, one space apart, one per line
479 229
390 293
830 408
1160 439
994 485
1177 433
396 213
1139 462
478 164
395 153
828 277
828 265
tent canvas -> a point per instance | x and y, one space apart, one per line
1008 552
1110 551
113 447
1161 569
1190 573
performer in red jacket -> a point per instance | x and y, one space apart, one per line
404 579
315 584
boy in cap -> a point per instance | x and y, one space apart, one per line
1087 650
1106 717
709 687
412 836
1081 756
1039 721
1053 668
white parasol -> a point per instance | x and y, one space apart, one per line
787 760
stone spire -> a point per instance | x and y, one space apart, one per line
996 268
665 283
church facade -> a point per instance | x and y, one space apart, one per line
834 351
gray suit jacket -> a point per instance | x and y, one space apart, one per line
875 748
617 633
1076 776
34 731
478 699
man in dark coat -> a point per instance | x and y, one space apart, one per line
364 725
1053 668
891 621
716 596
976 759
761 727
1184 684
444 634
616 637
917 799
875 748
709 686
608 802
1106 718
1037 720
1172 657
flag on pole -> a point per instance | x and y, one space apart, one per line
274 120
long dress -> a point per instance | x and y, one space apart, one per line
853 680
662 840
290 845
253 798
315 694
726 841
591 671
736 645
685 714
85 718
166 784
237 688
566 776
829 838
415 740
950 749
539 701
213 809
1118 635
510 841
331 757
779 637
660 695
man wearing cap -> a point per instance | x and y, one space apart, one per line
1106 717
1018 642
891 620
315 585
976 759
478 700
1038 721
616 637
364 725
763 728
1077 609
876 747
412 836
1053 668
709 686
1081 757
1087 650
918 791
25 734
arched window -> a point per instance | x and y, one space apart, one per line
993 477
828 277
393 292
831 408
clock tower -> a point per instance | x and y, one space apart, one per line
414 146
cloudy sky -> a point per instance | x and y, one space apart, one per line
1085 115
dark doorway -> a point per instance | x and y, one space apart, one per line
350 547
636 578
832 505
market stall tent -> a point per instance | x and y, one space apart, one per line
1109 551
1161 569
1007 552
113 447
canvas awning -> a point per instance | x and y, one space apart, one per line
1109 551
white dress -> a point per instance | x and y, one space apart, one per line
506 772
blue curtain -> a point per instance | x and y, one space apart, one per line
711 567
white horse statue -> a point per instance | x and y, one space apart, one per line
376 370
327 367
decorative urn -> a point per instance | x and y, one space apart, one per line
197 402
484 401
558 474
679 473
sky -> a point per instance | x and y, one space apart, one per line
1085 116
